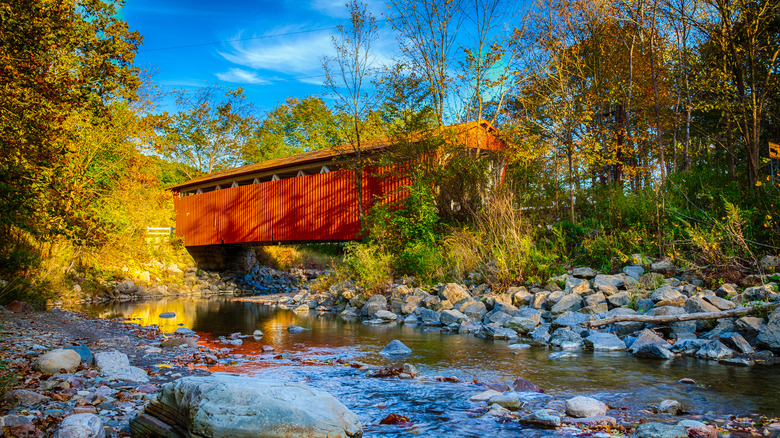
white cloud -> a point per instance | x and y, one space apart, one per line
241 76
339 9
299 54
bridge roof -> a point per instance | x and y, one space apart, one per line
323 155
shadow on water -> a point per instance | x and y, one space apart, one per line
615 378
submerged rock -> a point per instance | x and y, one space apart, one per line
224 405
541 418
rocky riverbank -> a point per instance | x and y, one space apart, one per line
561 313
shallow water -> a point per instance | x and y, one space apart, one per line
440 408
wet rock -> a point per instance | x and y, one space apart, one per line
223 405
497 317
115 365
566 339
562 355
167 315
647 337
519 347
525 320
454 293
296 329
540 335
604 420
509 401
688 346
303 308
541 418
496 410
23 397
257 334
175 342
522 385
660 430
410 369
604 342
494 331
567 303
81 426
485 395
184 331
19 307
670 407
453 317
736 342
583 407
56 360
396 348
653 351
714 350
430 317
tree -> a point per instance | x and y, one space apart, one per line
743 36
294 127
427 32
490 55
57 58
208 134
348 75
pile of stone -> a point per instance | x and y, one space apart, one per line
557 314
262 280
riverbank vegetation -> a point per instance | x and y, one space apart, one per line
631 128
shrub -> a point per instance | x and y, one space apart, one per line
369 265
499 247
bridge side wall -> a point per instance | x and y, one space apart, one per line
310 208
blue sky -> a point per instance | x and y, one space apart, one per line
273 49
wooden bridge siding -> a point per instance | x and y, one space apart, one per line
317 207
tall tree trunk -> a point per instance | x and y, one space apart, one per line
657 104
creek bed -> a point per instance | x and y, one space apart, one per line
628 385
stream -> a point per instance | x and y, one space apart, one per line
627 384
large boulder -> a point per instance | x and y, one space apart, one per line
769 336
604 342
453 317
235 406
396 348
476 310
374 304
666 293
56 360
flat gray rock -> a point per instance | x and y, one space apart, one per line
81 426
237 407
604 342
116 366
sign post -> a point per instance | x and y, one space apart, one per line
774 154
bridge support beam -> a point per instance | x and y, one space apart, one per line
225 257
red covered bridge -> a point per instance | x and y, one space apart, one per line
310 197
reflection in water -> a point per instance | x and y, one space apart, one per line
615 378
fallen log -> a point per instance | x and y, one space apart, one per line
665 319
